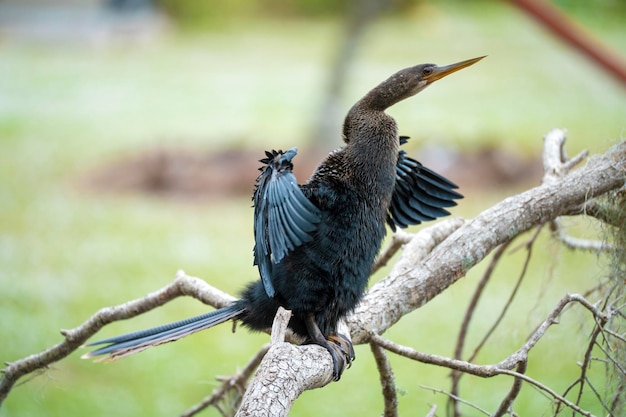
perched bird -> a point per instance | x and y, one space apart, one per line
315 243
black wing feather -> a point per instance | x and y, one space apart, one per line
420 194
283 217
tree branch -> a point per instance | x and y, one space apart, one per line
469 313
433 259
387 380
237 382
448 260
444 254
74 338
484 371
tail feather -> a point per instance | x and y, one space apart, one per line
128 344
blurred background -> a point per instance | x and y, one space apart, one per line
129 137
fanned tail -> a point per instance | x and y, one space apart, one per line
128 344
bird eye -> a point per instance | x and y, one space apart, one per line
428 70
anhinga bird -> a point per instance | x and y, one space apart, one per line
315 243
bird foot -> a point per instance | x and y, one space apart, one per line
341 351
345 345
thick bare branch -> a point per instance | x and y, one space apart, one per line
285 373
450 259
434 259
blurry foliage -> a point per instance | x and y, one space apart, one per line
199 13
195 13
586 6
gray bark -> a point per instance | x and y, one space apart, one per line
434 259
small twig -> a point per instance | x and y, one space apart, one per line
507 402
572 162
593 341
469 312
237 381
583 371
599 397
514 360
279 326
552 318
387 380
576 243
555 161
484 371
529 246
74 338
432 412
455 398
618 397
615 335
611 359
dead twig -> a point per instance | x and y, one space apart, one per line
516 360
387 380
74 338
455 398
469 313
399 238
236 382
279 327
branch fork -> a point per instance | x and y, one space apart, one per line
431 260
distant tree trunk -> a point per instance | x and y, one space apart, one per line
360 15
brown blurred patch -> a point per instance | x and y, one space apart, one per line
184 174
493 168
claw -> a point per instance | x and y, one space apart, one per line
345 346
339 346
340 362
342 352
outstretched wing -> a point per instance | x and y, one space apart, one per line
420 194
283 217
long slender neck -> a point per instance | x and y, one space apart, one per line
367 119
371 135
394 89
372 143
365 126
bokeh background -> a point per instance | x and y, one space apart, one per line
129 135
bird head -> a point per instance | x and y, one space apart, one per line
410 81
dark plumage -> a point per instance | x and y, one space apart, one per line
315 243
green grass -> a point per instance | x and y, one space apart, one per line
66 252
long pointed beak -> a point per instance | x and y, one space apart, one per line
440 72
